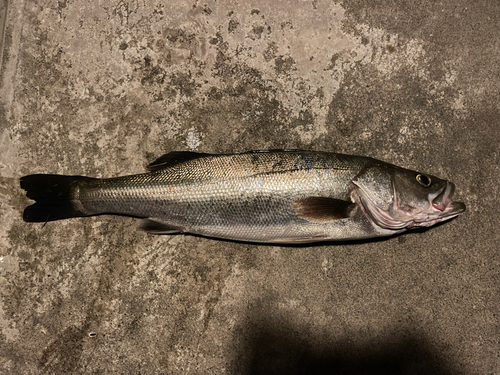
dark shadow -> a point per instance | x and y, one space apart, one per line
267 349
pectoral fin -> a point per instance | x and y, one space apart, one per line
156 227
323 208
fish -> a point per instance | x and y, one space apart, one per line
271 196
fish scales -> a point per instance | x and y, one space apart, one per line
233 194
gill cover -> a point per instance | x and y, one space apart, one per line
374 191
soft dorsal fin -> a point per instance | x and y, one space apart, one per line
173 158
323 208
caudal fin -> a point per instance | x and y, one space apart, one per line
53 196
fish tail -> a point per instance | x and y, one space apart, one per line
54 197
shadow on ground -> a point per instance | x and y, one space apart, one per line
276 349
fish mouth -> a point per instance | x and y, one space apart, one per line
439 208
443 205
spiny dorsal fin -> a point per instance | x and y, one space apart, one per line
323 208
173 158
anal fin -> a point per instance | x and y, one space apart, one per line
157 227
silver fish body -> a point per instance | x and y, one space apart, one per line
261 196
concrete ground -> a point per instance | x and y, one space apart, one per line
101 88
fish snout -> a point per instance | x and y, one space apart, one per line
443 200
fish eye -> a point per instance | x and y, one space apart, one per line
424 180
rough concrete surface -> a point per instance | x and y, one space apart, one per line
101 88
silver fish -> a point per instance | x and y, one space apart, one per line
277 196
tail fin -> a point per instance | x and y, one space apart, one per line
53 196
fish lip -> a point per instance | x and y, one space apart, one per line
442 198
441 201
456 208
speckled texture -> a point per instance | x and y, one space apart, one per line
101 88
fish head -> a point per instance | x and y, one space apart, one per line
397 198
